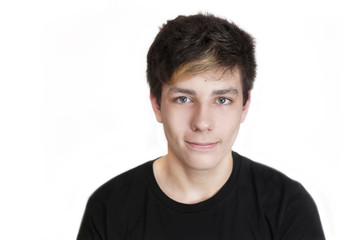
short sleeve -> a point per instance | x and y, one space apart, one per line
91 227
300 219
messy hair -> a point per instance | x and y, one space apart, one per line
190 45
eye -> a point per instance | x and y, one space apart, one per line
182 99
223 101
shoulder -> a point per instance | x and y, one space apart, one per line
119 198
265 178
271 185
122 186
285 203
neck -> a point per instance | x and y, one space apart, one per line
186 185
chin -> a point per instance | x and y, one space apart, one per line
203 161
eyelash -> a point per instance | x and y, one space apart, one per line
177 100
229 101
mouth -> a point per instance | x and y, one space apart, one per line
202 146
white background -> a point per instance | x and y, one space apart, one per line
75 112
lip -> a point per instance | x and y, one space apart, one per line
202 146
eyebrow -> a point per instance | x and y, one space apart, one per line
181 90
232 91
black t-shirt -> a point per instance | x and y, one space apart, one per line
256 202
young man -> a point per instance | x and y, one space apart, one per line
201 70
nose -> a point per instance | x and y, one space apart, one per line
202 119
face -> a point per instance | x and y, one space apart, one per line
201 116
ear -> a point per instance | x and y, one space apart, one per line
245 108
156 107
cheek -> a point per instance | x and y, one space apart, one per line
175 122
229 123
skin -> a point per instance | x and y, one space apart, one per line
201 116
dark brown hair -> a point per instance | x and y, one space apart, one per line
194 44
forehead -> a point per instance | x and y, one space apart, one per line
209 79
